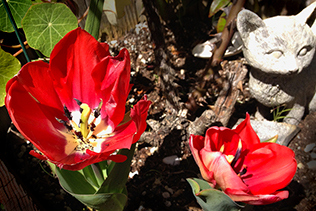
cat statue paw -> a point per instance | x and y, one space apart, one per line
281 53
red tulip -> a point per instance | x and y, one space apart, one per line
245 169
73 109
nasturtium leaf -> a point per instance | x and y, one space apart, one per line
211 199
216 6
18 9
46 23
9 66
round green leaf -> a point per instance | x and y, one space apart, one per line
45 24
9 66
18 9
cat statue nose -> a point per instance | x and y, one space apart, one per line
292 67
294 71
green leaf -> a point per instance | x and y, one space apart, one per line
221 22
45 24
115 182
18 9
93 21
9 66
216 6
103 201
90 176
76 184
273 139
211 199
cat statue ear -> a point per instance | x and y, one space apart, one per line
303 16
248 22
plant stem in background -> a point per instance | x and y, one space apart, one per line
94 18
7 9
228 32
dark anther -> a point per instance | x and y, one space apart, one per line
97 112
237 154
67 113
94 136
79 134
92 126
78 102
69 127
244 171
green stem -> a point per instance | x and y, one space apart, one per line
7 9
115 183
94 18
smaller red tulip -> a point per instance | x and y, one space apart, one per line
245 169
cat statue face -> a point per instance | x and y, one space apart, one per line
281 52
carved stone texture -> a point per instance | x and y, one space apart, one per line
281 52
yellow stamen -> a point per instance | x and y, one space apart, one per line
230 158
222 148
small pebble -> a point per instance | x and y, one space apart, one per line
166 195
168 203
172 160
309 147
132 174
312 164
300 166
313 155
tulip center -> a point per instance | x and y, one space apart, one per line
82 124
232 159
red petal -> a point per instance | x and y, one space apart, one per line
271 167
35 121
196 144
72 61
139 115
246 132
257 199
95 158
35 80
224 175
37 155
216 137
127 134
111 77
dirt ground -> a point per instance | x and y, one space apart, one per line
158 181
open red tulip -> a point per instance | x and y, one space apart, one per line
73 109
245 169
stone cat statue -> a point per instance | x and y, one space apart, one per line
281 53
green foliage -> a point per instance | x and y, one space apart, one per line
45 24
278 112
217 5
273 139
9 66
211 199
18 9
221 22
93 187
94 18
